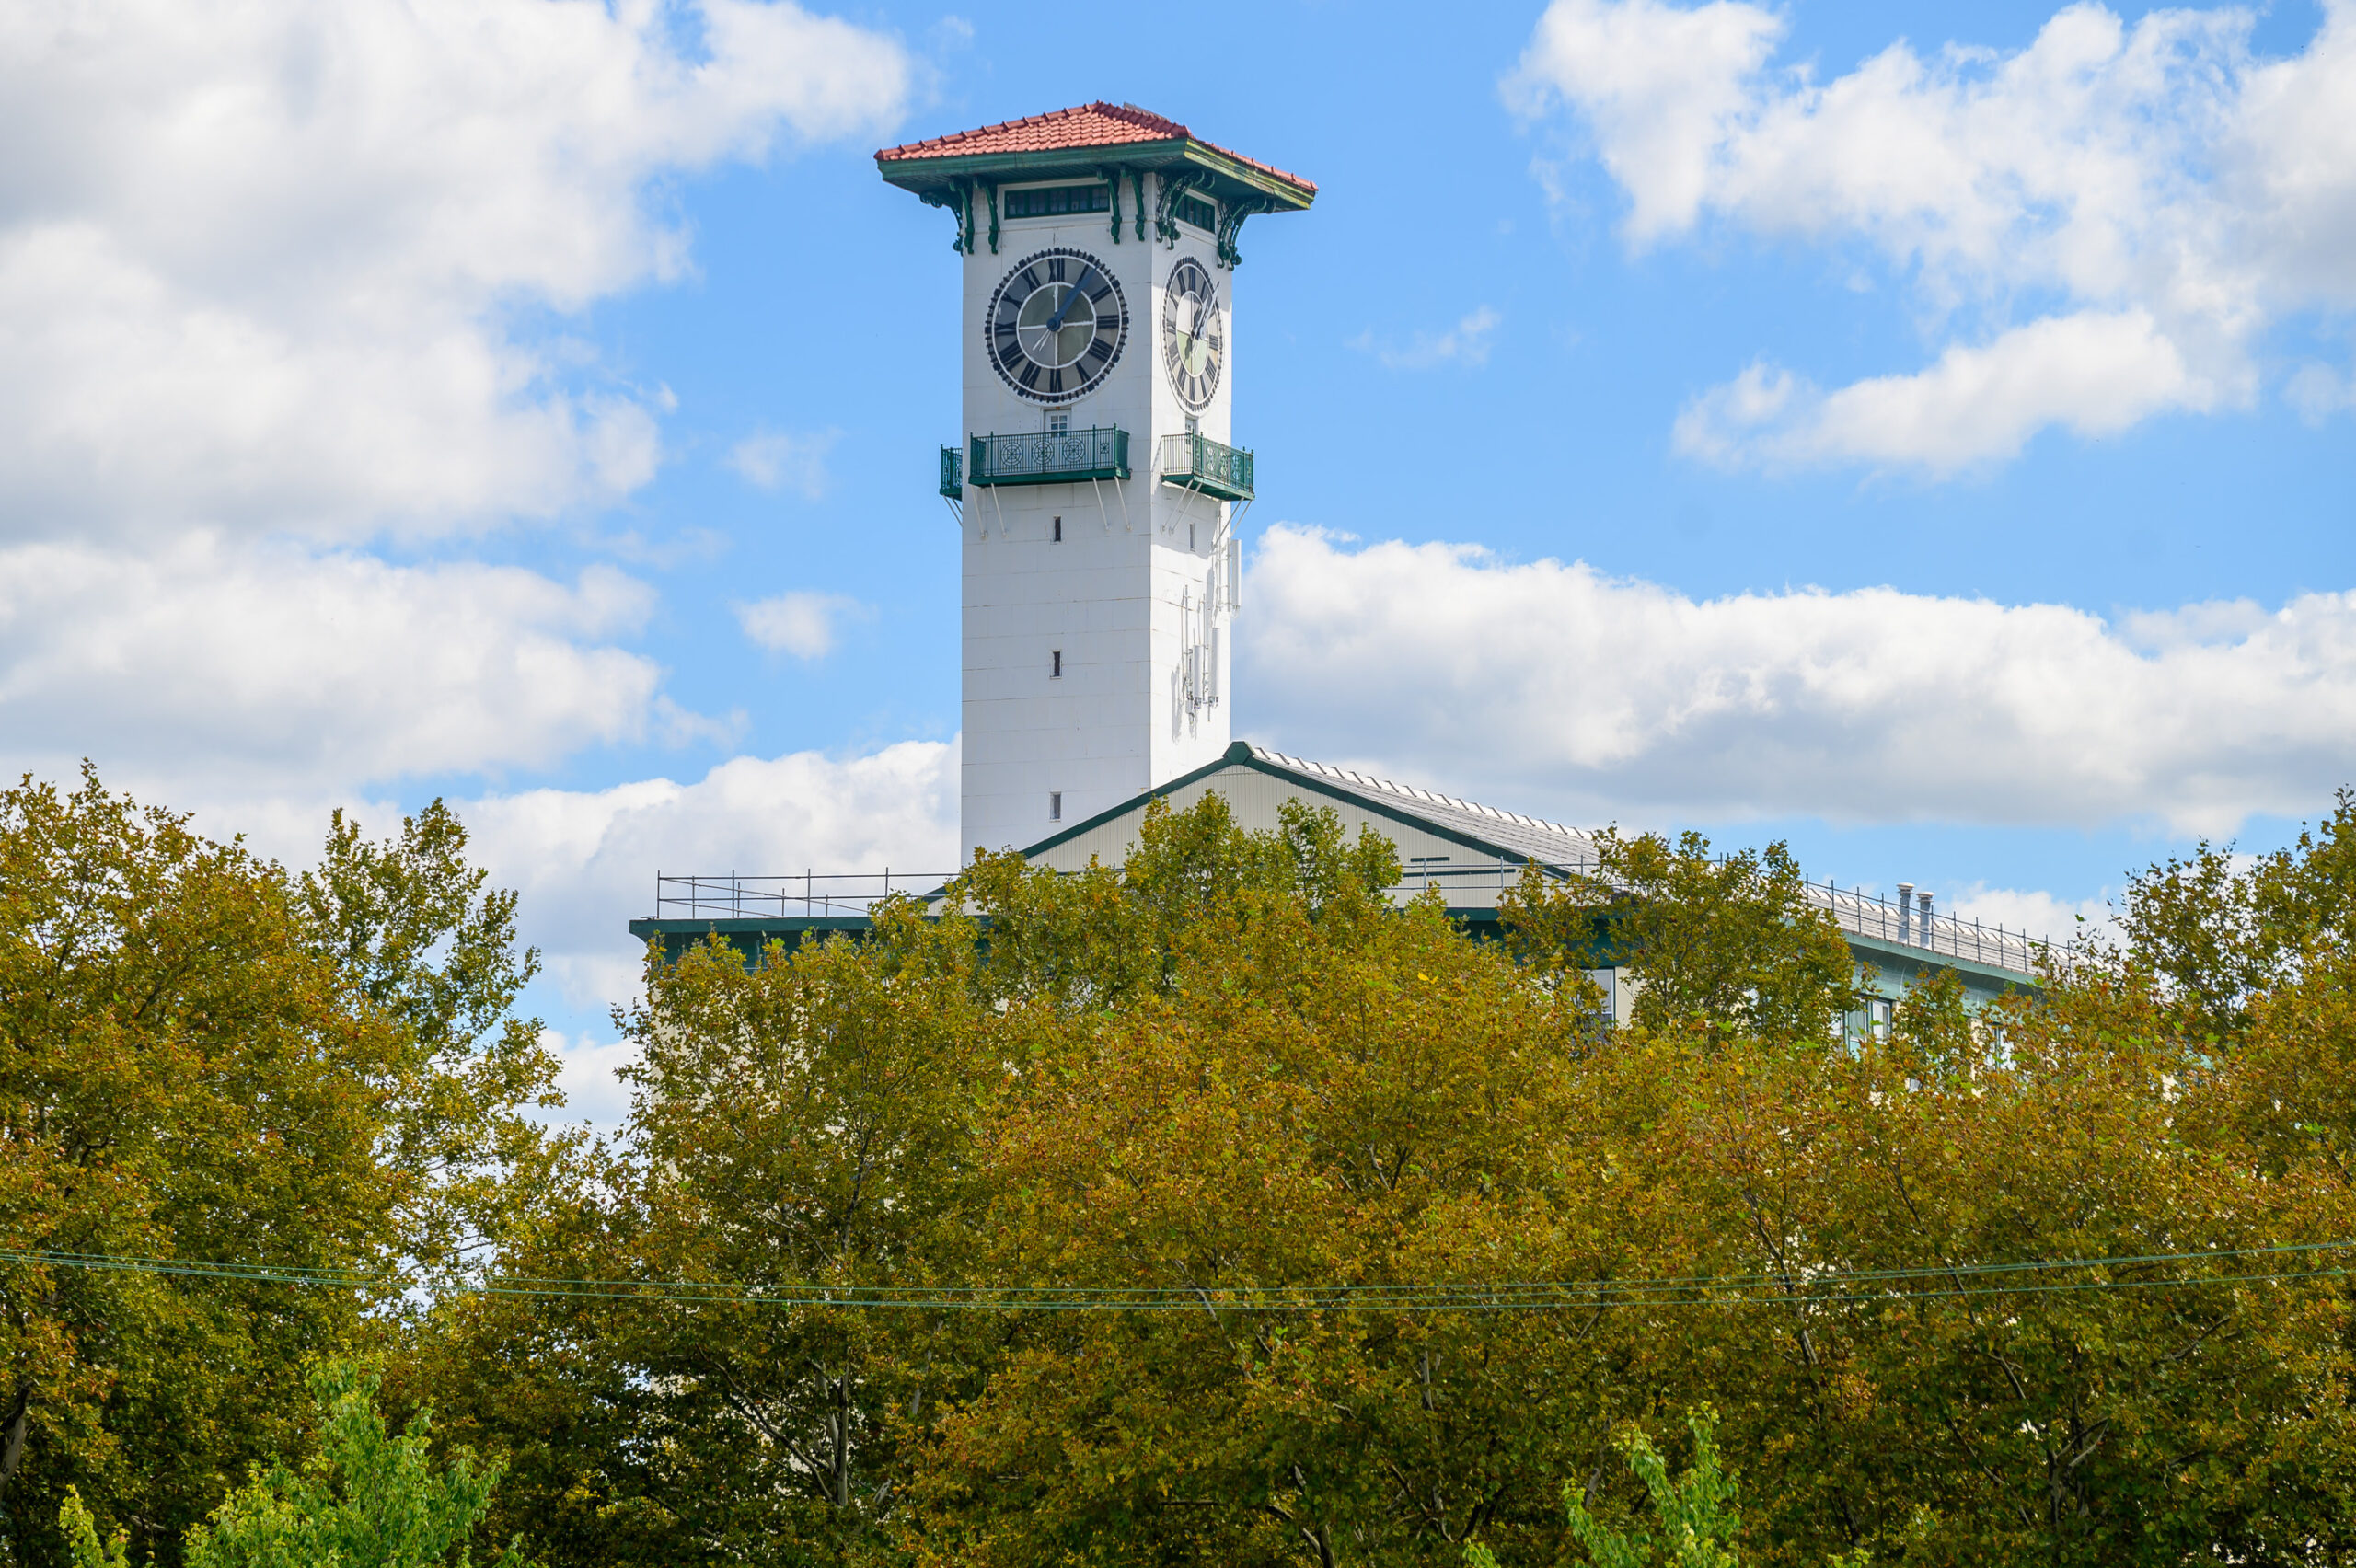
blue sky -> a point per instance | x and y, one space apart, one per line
1921 432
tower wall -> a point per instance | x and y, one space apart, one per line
1116 596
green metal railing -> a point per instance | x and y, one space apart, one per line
1201 464
1100 452
952 474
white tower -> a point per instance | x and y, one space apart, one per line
1098 479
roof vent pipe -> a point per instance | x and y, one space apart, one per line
1924 899
1905 910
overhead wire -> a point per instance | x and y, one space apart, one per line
1799 1286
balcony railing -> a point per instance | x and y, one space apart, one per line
1198 463
952 474
1055 458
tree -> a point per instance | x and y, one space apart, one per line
1726 947
1995 1288
417 931
193 1068
369 1500
1697 1514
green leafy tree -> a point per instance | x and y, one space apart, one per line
194 1066
368 1500
1696 1513
1727 947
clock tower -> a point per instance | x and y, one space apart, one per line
1098 478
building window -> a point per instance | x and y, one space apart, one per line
1055 201
1055 805
1195 210
1055 531
1055 666
1059 423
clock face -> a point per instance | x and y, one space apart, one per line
1056 325
1193 344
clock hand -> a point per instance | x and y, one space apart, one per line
1055 322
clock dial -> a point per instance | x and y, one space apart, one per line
1194 342
1056 325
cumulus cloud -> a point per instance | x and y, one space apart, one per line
1467 342
1592 696
2095 372
211 661
802 623
2173 192
585 861
780 460
259 273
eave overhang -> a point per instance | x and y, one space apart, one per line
1232 179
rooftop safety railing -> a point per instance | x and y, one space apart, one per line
734 897
1464 883
1045 457
1198 463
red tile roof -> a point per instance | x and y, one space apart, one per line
1096 124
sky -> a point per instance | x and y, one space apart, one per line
1922 433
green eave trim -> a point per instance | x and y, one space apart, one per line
1231 177
1892 957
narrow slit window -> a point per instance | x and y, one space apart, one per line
1055 531
1055 805
1055 666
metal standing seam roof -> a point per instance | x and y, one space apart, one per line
1086 125
1549 843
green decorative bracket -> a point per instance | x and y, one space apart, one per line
992 189
1172 187
1230 223
1112 178
958 202
1137 187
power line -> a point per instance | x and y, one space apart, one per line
1799 1287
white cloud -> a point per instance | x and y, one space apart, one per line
775 459
1467 342
1661 86
2039 913
1591 697
2095 373
802 623
585 861
211 659
2318 392
586 1077
257 260
2174 194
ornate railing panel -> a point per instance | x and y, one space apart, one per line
952 473
1100 452
1199 462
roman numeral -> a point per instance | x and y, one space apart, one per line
1055 270
1029 377
1108 323
1100 351
1030 280
1098 297
1054 382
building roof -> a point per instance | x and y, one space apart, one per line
1527 838
1082 128
1873 922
